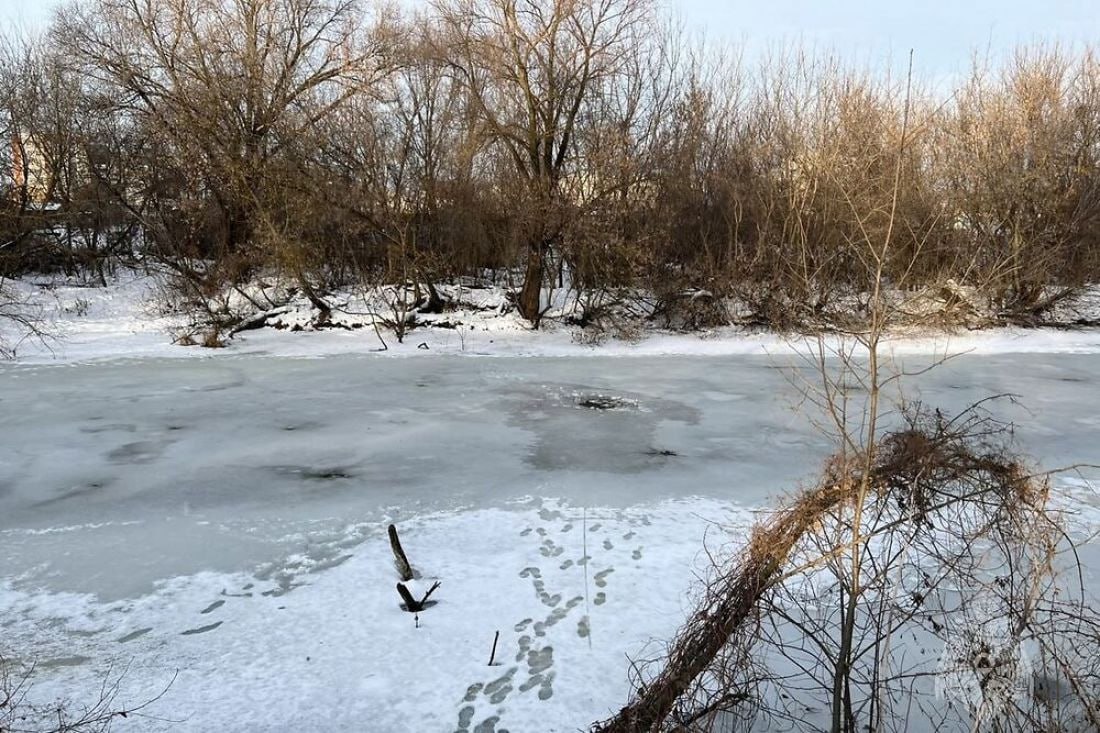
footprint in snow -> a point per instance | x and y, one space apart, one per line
550 549
489 725
601 577
135 634
499 689
465 717
583 628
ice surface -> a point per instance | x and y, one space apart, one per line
226 517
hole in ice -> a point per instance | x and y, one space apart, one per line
605 402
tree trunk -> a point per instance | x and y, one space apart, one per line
530 296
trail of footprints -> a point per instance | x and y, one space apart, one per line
284 583
533 656
321 553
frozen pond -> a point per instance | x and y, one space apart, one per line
130 487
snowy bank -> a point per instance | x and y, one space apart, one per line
127 320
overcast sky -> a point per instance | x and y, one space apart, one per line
942 33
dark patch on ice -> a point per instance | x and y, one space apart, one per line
109 428
308 425
316 473
236 380
73 493
212 607
201 629
74 661
577 428
661 453
138 452
326 474
135 634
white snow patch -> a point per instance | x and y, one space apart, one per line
338 652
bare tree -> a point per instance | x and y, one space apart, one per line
532 68
228 85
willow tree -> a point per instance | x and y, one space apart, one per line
533 70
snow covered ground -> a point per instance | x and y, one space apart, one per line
213 521
127 319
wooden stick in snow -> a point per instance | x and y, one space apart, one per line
400 560
493 654
411 604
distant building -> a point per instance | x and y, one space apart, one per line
30 170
